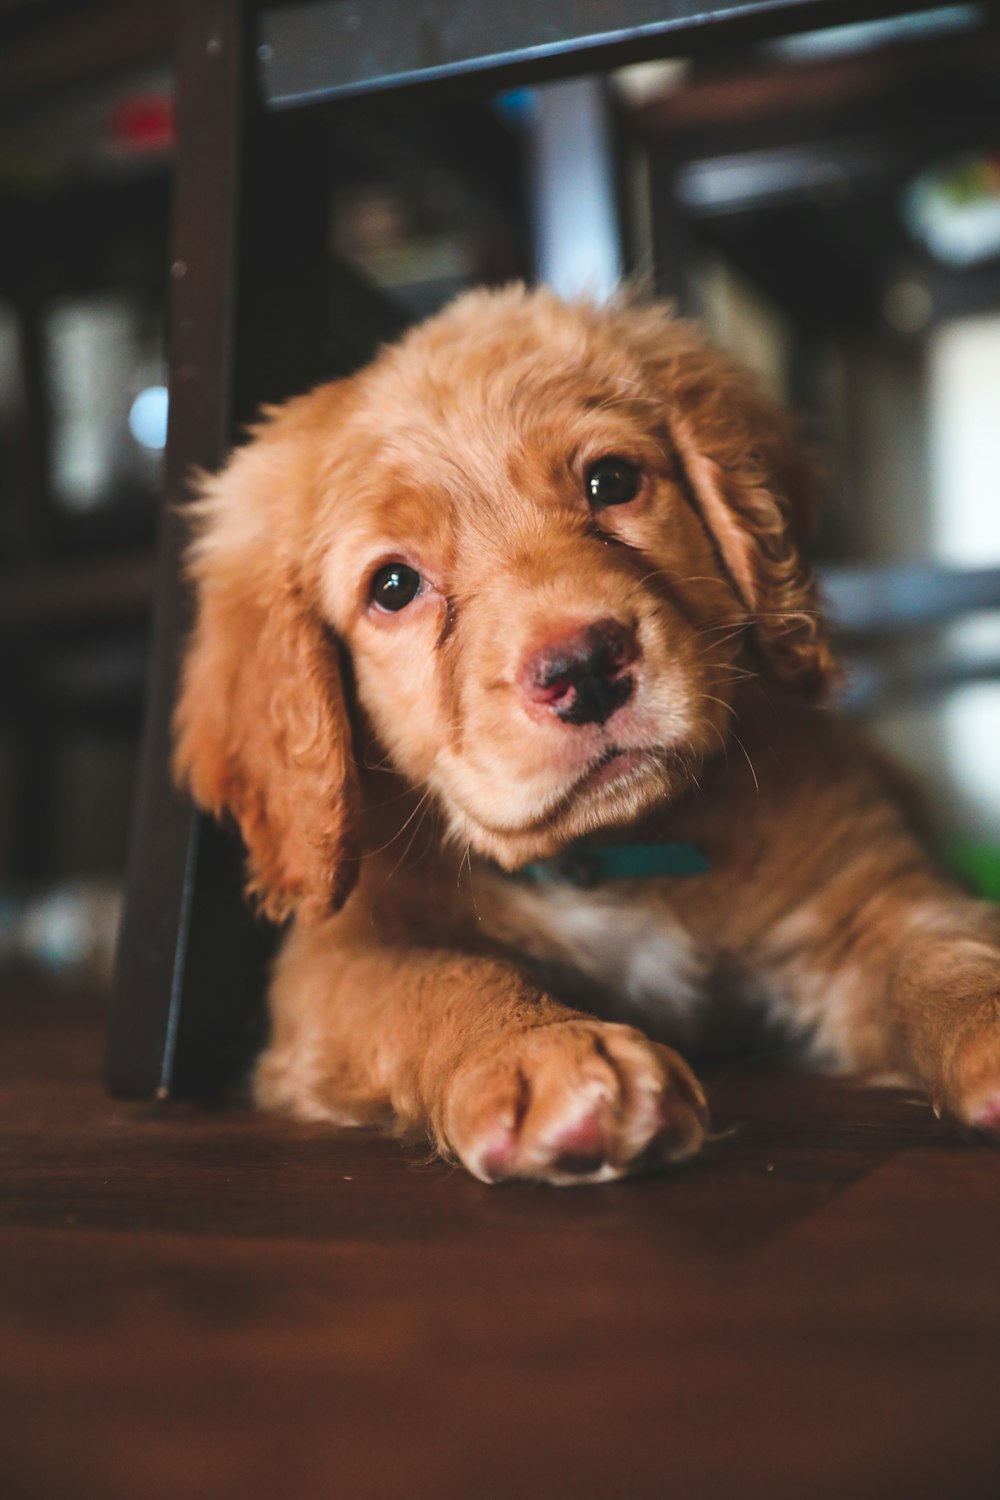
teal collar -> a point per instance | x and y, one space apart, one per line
588 865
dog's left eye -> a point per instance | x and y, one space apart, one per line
612 481
395 586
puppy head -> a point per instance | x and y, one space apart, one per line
547 535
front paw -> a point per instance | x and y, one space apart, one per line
573 1101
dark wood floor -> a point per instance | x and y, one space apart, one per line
199 1303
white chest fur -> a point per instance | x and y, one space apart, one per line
637 952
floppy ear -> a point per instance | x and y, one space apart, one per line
755 489
261 726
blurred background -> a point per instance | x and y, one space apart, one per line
828 204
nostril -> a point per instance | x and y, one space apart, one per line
614 653
611 646
551 689
583 676
594 699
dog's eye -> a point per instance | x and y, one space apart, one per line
612 481
395 586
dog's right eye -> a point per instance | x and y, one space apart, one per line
395 586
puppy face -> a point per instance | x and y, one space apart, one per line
544 535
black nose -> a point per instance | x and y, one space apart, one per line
584 676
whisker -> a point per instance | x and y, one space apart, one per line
722 640
677 582
472 884
400 831
787 614
734 626
710 698
378 765
723 742
749 762
397 797
402 858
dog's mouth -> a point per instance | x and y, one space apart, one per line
617 762
616 786
610 785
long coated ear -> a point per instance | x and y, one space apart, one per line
755 487
261 726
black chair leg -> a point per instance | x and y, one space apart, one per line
181 987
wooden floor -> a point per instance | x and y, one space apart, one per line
201 1303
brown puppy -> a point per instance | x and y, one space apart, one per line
533 577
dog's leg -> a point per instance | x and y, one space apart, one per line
945 1001
498 1074
902 983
